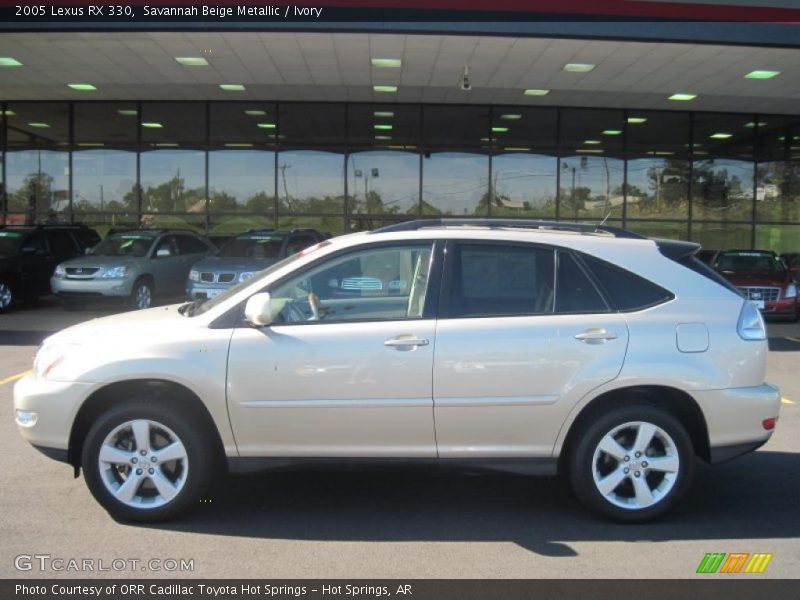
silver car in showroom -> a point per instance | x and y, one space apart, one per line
243 256
133 266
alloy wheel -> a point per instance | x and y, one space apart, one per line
143 297
6 295
143 464
635 465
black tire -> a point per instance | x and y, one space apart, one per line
7 295
200 460
669 487
143 285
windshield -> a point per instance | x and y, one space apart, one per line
198 307
10 241
749 262
125 244
253 245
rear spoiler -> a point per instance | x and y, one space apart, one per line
676 250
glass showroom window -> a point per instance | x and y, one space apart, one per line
382 164
524 164
173 164
455 165
104 191
777 169
722 186
241 166
311 166
37 162
592 165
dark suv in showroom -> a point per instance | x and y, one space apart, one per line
29 254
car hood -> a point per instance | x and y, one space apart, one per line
102 261
218 264
751 278
124 328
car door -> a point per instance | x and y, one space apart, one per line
523 334
35 264
167 266
354 380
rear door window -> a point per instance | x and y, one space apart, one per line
493 280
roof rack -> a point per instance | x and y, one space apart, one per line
586 228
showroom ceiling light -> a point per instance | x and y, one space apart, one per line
720 136
612 132
265 125
238 145
752 124
383 114
7 61
588 151
231 87
38 125
152 125
578 67
191 61
592 142
511 117
382 126
637 120
8 113
128 112
90 144
383 137
166 144
82 87
256 113
682 97
535 92
762 74
384 89
517 149
497 129
387 63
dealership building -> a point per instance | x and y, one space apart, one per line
672 119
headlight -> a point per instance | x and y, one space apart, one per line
114 273
194 275
49 358
791 291
246 275
60 272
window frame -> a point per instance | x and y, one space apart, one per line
432 292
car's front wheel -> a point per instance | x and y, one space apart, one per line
141 294
632 464
146 462
6 295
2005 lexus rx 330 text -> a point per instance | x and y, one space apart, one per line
535 347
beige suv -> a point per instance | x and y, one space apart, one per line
527 346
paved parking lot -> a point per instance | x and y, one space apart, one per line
400 523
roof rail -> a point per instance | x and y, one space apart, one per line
510 223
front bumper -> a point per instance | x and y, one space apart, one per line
735 416
787 307
88 288
55 404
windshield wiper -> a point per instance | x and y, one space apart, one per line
189 308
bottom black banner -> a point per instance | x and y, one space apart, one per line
413 589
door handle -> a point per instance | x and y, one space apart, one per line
595 336
405 342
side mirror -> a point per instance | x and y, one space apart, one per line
163 253
258 310
88 250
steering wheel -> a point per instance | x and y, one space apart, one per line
313 303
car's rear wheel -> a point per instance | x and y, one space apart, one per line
6 295
146 462
632 464
141 294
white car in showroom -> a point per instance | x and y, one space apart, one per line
535 347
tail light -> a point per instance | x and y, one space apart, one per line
751 324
